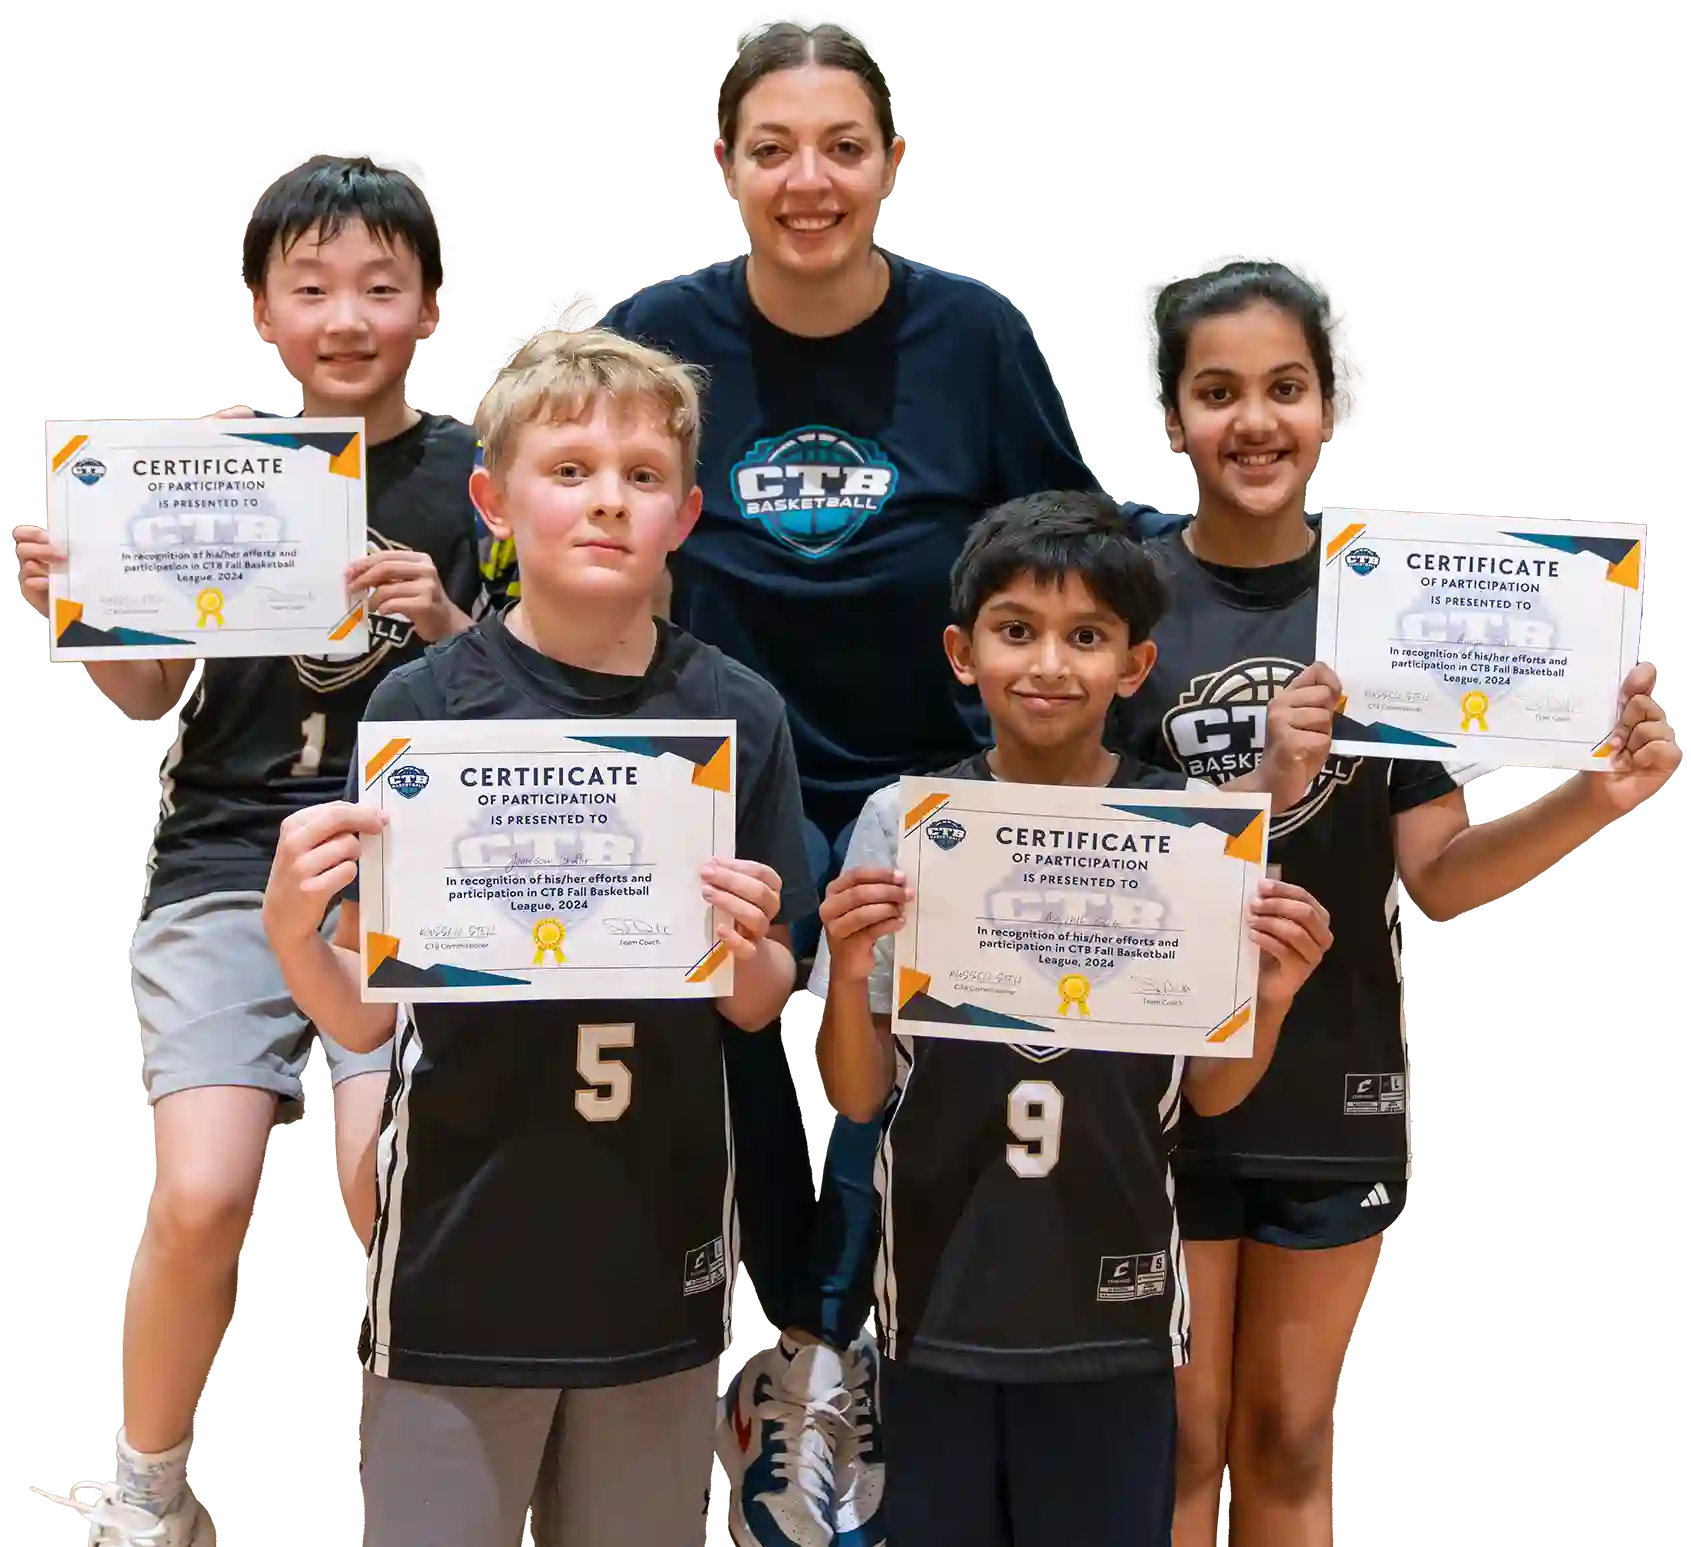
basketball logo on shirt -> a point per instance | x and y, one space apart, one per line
325 675
813 488
1217 727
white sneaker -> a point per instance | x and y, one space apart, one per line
112 1523
859 1470
779 1424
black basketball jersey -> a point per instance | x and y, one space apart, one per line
555 1179
1334 1102
1027 1228
263 737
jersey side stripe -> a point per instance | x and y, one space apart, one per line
392 1153
1180 1308
1394 933
886 1270
730 1220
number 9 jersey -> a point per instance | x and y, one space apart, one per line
1027 1222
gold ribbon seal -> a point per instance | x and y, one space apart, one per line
1474 706
210 603
548 936
1074 989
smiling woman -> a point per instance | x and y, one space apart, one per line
863 412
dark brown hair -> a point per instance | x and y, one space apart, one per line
1228 290
788 46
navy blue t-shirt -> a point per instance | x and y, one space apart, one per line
840 477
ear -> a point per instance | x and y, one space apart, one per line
261 315
895 155
1326 421
429 318
687 517
1136 668
1176 431
489 500
725 160
960 651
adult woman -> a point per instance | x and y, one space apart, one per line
863 411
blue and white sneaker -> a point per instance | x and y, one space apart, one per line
859 1470
779 1425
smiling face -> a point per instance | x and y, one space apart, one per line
809 170
345 315
1249 411
595 504
1049 660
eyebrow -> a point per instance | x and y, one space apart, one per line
845 125
1010 605
1228 370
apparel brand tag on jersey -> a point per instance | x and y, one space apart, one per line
706 1268
1375 1095
1144 1277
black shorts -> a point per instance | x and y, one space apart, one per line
980 1463
1299 1216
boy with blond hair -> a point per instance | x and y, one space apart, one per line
531 1337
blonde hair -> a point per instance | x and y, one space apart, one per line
559 375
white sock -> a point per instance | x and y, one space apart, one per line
155 1483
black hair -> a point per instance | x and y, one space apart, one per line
1230 289
328 191
788 46
1050 536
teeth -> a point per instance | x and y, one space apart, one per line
1259 459
808 222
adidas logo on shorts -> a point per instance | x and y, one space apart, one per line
1377 1195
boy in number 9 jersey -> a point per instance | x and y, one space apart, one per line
1027 1398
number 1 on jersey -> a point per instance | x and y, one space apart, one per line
1034 1113
313 729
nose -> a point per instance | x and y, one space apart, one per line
345 313
1051 661
607 499
1255 414
805 170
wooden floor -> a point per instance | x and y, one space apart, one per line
1521 1377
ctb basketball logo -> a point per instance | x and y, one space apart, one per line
89 470
408 781
1363 561
813 488
946 833
1218 726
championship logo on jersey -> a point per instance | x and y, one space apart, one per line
814 488
1217 727
323 675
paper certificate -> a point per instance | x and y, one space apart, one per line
1473 638
205 537
544 859
1078 918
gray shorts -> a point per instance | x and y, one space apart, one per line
606 1466
215 1011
